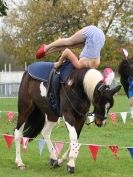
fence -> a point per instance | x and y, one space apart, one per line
9 89
9 83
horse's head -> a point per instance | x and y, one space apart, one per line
102 102
99 94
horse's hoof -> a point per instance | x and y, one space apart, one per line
21 167
70 169
60 161
54 163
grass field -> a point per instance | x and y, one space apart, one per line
105 165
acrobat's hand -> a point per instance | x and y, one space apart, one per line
57 65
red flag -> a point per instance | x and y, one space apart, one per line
10 116
9 139
114 149
113 117
58 147
94 150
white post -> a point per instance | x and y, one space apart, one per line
5 83
5 67
9 67
25 66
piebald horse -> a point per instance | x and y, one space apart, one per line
82 88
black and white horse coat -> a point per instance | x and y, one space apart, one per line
83 88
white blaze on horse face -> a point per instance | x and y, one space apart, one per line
43 90
106 108
106 112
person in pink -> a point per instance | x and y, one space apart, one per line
108 76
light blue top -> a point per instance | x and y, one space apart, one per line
94 41
130 88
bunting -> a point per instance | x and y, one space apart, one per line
94 150
130 149
10 116
25 141
90 117
113 117
114 149
132 114
9 140
58 147
41 145
124 116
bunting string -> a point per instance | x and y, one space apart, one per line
93 148
66 142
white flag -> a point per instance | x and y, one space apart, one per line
132 114
25 141
124 116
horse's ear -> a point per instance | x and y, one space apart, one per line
115 90
124 53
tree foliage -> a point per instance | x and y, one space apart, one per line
3 8
43 21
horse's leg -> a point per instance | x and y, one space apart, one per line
46 132
74 128
22 117
64 156
18 135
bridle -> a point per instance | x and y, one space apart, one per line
80 114
101 86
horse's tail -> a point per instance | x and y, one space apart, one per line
34 124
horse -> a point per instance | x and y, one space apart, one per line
125 70
82 88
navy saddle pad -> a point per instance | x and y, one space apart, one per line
41 70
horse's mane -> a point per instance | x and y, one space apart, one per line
125 70
88 79
91 79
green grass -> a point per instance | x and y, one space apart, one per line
105 165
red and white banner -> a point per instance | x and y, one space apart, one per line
10 116
113 117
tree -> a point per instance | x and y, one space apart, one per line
46 20
3 8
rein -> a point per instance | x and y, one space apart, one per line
74 107
89 123
71 102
